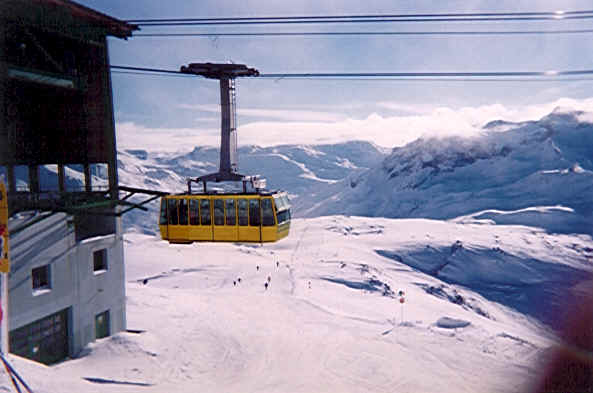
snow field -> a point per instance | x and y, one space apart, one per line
330 320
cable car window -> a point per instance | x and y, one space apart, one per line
231 211
194 212
267 212
283 216
279 203
163 219
243 218
285 200
183 212
282 202
172 204
218 212
254 220
205 211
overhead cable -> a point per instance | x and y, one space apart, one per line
153 73
431 16
430 74
145 69
382 20
365 33
540 80
462 74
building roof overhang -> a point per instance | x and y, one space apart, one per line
65 16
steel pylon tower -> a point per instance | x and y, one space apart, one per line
226 74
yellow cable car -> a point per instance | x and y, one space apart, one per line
258 216
241 217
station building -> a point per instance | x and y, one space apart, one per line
58 159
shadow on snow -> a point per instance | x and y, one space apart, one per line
541 289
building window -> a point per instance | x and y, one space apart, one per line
102 324
74 177
45 340
41 278
21 174
100 260
99 177
48 177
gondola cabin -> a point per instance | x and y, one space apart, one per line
252 217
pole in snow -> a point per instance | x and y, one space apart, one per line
4 268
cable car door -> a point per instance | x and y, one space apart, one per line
249 220
163 222
268 221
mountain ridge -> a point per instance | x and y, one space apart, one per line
507 167
298 169
528 164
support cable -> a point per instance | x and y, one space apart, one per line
366 33
430 74
372 18
14 376
360 79
386 20
491 74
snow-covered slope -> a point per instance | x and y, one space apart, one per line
301 170
509 167
331 319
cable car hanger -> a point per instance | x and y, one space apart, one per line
228 168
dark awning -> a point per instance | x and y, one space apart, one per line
65 16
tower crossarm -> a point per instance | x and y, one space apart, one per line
218 70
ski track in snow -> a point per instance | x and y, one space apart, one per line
199 331
308 174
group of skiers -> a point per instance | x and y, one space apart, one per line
268 281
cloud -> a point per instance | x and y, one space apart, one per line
279 114
388 131
404 108
586 117
134 136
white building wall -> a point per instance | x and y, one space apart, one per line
102 290
74 284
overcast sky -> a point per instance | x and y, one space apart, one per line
388 113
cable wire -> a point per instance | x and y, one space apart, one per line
385 20
543 75
554 14
431 74
367 33
154 73
434 79
540 80
145 69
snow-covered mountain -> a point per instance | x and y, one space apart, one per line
536 172
301 170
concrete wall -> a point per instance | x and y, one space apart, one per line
74 284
